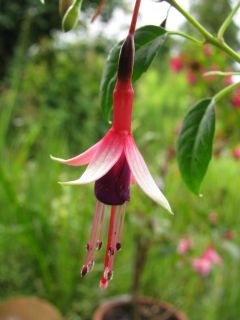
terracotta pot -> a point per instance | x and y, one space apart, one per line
28 308
109 310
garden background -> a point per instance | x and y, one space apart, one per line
49 104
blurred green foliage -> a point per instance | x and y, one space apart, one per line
44 20
221 9
50 105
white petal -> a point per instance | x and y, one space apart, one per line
82 158
142 175
103 160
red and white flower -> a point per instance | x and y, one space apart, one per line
113 163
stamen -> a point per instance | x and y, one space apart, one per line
84 271
120 232
92 244
101 228
99 245
114 237
104 282
90 265
117 221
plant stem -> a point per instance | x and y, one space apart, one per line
186 36
227 22
134 17
225 91
207 35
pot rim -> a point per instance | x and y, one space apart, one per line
127 299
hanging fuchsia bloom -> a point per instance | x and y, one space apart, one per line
113 163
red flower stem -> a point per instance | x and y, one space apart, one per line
99 10
134 17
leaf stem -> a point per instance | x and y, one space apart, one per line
225 91
207 35
186 36
227 22
221 73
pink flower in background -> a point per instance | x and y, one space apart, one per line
213 217
236 153
228 80
183 246
191 77
176 64
235 100
202 266
211 255
207 50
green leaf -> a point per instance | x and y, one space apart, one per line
148 41
71 16
194 145
42 1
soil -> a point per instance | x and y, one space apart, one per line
147 312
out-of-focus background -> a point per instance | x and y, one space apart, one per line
49 104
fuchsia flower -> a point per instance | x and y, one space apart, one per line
191 77
228 80
207 50
211 255
176 64
112 163
235 100
204 264
236 153
183 246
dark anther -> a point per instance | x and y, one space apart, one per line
110 251
99 245
109 275
118 246
84 271
88 247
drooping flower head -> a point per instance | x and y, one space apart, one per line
113 163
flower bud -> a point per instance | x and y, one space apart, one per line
63 6
71 16
126 59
